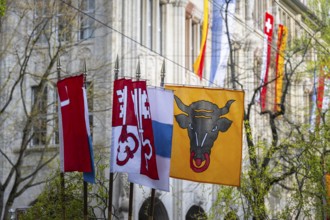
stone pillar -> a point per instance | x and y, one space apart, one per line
179 41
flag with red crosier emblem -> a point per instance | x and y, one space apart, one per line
132 149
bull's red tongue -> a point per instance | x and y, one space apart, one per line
198 161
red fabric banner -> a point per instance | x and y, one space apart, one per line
143 115
268 33
132 149
75 155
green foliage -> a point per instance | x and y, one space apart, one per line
321 8
3 7
49 202
227 199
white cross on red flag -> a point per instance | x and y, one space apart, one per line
269 23
268 33
132 149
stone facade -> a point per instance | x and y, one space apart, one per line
149 32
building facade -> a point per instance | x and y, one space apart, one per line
48 40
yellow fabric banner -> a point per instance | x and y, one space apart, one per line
281 45
207 135
327 180
199 62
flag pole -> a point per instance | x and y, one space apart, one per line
85 187
116 71
62 189
85 201
152 204
131 185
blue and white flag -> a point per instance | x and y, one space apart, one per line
89 176
312 119
220 45
161 107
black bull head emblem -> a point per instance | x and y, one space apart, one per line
203 121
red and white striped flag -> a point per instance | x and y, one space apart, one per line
268 33
75 154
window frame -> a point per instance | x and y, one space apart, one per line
64 26
40 119
42 21
87 24
193 34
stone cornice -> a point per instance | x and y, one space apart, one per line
300 8
179 3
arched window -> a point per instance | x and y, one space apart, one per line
196 213
160 212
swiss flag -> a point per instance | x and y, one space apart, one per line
269 23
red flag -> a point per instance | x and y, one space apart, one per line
320 95
74 150
268 33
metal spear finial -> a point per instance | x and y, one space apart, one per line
162 74
138 71
116 68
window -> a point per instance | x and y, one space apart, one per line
230 79
259 14
45 25
42 20
147 23
257 64
151 24
39 127
193 37
289 26
160 19
64 22
87 27
196 212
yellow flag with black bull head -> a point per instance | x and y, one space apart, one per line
207 135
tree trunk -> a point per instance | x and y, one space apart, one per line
259 208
